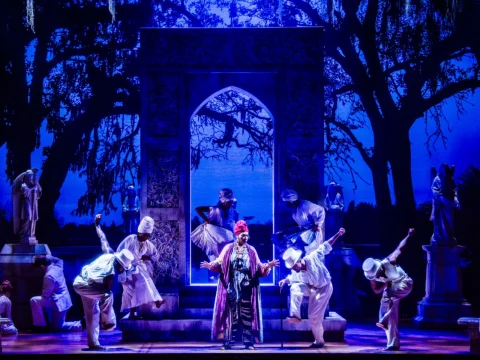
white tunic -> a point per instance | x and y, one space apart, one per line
393 272
139 288
95 272
316 274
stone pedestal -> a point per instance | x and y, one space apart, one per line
443 303
342 263
16 265
29 241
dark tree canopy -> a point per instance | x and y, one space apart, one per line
232 119
388 64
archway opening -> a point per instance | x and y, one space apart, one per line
231 146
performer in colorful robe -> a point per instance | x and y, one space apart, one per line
315 282
238 306
138 286
387 277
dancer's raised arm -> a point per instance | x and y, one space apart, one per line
396 253
106 249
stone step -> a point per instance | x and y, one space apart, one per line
206 301
199 329
198 291
207 313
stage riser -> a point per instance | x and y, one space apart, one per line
199 329
270 336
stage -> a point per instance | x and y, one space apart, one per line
361 340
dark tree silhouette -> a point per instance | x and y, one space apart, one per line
387 65
231 119
77 72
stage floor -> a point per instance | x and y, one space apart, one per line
360 339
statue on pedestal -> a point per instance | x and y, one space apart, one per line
334 206
131 211
444 203
25 194
443 303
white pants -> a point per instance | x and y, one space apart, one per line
389 305
97 307
317 303
37 303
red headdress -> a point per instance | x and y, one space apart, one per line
240 227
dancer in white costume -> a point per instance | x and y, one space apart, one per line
315 283
138 286
310 219
55 296
6 289
217 229
94 285
387 277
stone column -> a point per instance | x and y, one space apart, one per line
443 303
16 265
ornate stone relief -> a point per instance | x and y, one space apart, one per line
163 181
166 238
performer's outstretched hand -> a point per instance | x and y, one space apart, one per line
341 231
273 263
283 282
98 218
205 265
411 232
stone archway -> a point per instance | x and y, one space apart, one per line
231 140
181 68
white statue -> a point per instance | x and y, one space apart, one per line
25 194
444 204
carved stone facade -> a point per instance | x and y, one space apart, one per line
282 67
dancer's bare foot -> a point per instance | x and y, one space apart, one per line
159 303
381 326
293 320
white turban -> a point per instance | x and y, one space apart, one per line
146 225
289 195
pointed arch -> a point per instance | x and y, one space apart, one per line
231 88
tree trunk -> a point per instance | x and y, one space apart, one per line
379 168
399 156
57 165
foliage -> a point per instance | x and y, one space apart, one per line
231 118
388 64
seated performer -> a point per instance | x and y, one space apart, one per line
315 283
217 229
237 303
94 285
310 219
390 278
6 289
138 286
55 296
